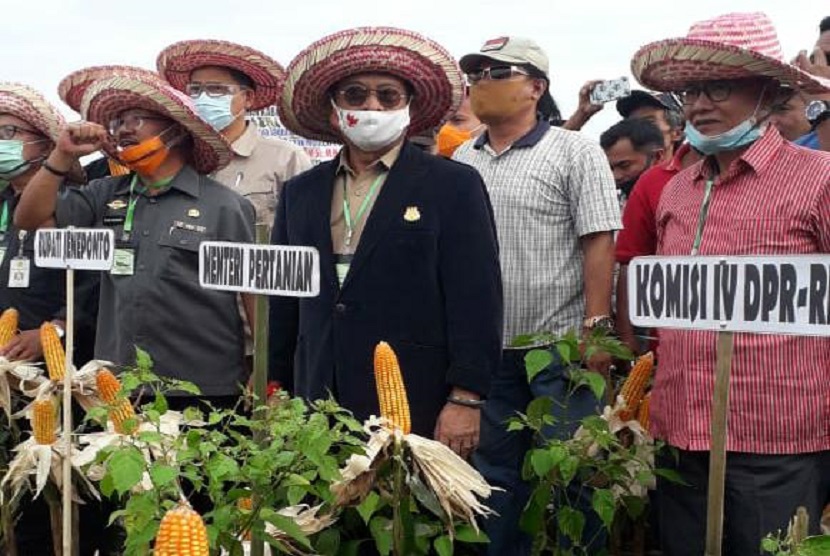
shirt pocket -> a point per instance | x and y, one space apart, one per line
263 194
757 236
179 254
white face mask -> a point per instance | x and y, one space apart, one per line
372 130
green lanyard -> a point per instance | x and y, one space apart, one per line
4 220
347 211
704 212
128 220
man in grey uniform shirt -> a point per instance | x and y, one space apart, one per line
160 213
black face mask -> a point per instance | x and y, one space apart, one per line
628 185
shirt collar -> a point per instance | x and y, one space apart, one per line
529 139
756 158
676 162
385 162
186 181
246 143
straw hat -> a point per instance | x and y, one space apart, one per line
432 72
105 99
30 106
177 62
71 89
732 46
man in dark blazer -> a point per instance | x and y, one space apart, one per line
407 242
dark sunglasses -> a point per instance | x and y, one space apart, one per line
355 96
496 73
716 91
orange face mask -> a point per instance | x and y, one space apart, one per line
450 138
146 157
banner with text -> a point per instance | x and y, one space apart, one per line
786 294
261 269
75 248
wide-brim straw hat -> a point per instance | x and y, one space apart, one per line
32 107
71 89
105 99
432 72
176 62
732 46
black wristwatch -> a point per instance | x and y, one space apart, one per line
817 111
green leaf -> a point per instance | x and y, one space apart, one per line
539 408
143 360
381 529
327 542
568 468
466 533
367 508
542 462
567 352
596 382
443 545
815 546
515 424
670 475
604 505
126 468
221 467
286 525
160 404
533 516
536 361
571 523
162 474
634 506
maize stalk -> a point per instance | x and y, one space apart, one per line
643 413
53 352
8 326
394 404
635 385
120 409
44 422
181 533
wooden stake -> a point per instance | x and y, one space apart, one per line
717 453
67 413
260 378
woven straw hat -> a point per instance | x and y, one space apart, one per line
105 99
71 89
30 106
432 72
732 46
177 62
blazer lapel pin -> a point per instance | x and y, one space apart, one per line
412 214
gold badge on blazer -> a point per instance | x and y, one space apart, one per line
117 204
194 213
412 214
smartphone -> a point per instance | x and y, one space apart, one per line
613 89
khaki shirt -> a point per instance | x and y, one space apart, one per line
259 169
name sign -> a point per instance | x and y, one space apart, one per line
787 294
262 269
75 248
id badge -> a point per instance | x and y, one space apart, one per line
124 263
19 268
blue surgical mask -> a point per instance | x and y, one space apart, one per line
12 163
216 110
743 134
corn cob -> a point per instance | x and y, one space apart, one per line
8 326
43 422
635 385
246 504
643 413
181 533
120 409
53 352
394 405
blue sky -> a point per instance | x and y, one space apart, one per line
47 39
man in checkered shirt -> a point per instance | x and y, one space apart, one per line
556 209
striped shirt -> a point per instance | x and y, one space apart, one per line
548 189
775 199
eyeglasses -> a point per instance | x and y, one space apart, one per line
213 90
355 96
716 91
496 73
133 122
9 131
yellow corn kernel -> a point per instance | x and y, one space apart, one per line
8 326
181 533
53 352
643 414
635 385
394 404
44 422
108 386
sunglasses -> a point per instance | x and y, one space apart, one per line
133 122
355 96
496 73
8 131
213 90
